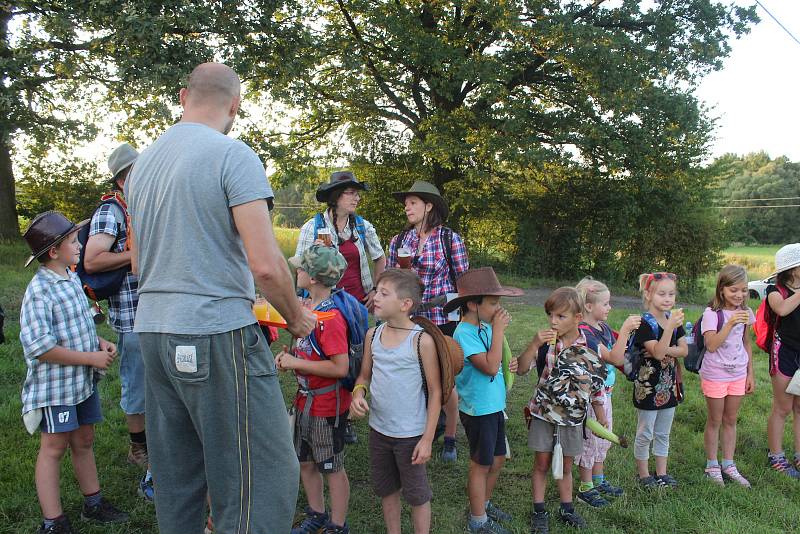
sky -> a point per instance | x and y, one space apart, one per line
755 95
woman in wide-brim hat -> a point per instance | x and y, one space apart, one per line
438 256
783 299
354 236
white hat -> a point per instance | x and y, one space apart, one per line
786 258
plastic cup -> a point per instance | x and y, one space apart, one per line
404 258
325 235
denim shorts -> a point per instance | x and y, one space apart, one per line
131 373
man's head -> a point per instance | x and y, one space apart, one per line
398 293
319 265
120 163
212 96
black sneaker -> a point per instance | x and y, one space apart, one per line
540 523
607 489
61 526
650 482
103 512
350 435
571 519
592 498
667 481
330 528
497 514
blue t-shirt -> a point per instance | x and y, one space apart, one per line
604 337
478 393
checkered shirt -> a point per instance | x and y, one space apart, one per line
110 219
373 245
431 266
55 311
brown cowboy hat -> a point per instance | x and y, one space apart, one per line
47 230
427 192
339 180
481 282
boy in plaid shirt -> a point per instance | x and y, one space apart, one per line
62 349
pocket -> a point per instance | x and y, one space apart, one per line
189 357
258 359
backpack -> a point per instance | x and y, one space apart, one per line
361 229
633 354
767 322
447 244
697 350
448 352
100 286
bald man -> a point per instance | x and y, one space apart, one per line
216 420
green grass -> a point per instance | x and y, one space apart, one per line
287 239
758 260
695 507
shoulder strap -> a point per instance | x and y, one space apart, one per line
421 367
447 243
319 223
720 320
362 230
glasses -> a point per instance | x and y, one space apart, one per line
352 193
658 277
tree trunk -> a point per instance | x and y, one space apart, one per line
9 225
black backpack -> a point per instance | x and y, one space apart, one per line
100 286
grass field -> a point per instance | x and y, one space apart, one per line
695 507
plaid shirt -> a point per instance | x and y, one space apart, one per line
110 219
55 311
431 266
373 244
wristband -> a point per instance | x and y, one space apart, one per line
360 386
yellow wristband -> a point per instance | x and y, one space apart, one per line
360 386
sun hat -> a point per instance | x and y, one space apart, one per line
339 180
427 192
47 230
324 264
788 257
480 282
122 158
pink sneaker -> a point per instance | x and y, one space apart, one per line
714 474
731 473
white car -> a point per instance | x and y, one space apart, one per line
758 288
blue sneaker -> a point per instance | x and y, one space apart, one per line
607 489
312 523
146 490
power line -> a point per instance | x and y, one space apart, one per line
796 40
755 207
763 199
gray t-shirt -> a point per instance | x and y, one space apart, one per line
193 272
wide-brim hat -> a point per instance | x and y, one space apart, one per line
788 257
481 282
122 158
427 192
339 180
47 230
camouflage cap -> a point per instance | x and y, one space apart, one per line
324 264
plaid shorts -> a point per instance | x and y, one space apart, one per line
323 443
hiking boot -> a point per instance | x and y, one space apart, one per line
592 498
731 473
540 523
667 481
449 452
607 489
571 519
61 526
312 523
330 528
490 527
782 465
145 489
350 435
137 454
714 474
497 514
649 482
103 512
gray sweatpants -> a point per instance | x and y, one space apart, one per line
217 423
654 427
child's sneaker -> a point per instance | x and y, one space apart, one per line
61 526
312 523
330 528
593 498
489 527
607 489
667 481
781 464
449 452
571 519
145 489
103 512
540 523
497 514
649 482
714 474
731 473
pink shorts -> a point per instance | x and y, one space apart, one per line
720 390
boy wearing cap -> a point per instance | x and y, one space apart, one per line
61 349
321 405
482 390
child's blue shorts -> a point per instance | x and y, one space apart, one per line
56 419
